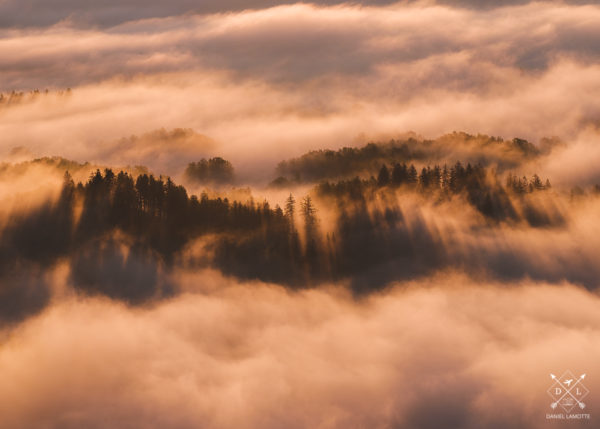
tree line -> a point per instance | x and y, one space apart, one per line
250 239
328 164
213 170
17 97
481 186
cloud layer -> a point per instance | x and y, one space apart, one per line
290 78
35 13
166 83
423 355
302 42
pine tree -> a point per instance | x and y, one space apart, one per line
383 178
536 183
445 178
290 208
436 176
412 175
308 212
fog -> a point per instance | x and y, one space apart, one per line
446 350
284 123
388 303
262 86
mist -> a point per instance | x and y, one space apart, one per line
266 214
228 354
260 98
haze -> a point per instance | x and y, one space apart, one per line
373 297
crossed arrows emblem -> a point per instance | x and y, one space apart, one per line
567 391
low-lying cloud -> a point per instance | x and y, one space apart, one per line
267 84
463 317
443 351
256 125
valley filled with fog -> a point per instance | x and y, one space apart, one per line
274 214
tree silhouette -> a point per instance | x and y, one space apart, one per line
290 209
213 170
412 176
383 178
309 214
253 240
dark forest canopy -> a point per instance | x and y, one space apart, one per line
57 163
368 245
482 188
161 216
348 161
60 163
214 170
158 216
371 238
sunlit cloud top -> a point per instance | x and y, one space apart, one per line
468 47
287 77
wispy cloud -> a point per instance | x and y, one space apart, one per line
297 77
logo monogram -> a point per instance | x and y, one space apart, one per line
567 391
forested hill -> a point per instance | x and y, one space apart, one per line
123 232
482 188
370 238
348 161
255 239
56 164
